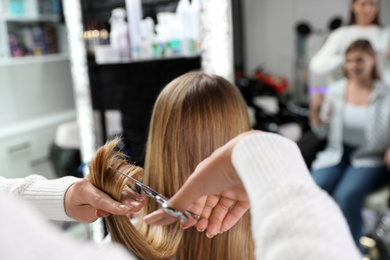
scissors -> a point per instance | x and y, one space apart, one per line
160 199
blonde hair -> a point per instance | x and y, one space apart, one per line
193 115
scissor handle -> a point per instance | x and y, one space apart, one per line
173 212
161 199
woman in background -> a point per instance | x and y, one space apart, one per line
363 24
354 115
193 115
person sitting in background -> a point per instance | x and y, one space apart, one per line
364 23
193 115
354 115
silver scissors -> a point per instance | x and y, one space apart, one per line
160 199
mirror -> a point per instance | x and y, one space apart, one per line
269 28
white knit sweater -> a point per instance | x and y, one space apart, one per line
329 59
291 217
46 195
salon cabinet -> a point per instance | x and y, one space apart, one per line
131 87
25 146
31 31
36 93
34 100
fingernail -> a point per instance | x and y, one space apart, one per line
208 235
140 198
97 213
135 204
200 229
124 207
146 218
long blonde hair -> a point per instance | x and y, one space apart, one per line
193 115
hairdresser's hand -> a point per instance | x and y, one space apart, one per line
85 203
217 179
316 101
387 158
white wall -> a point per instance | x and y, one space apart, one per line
34 90
385 12
270 29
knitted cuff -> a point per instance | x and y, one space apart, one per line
48 196
266 160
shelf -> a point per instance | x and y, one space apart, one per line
33 59
33 124
128 61
40 18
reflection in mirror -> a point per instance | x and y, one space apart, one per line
286 38
271 36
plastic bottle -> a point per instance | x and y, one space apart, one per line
196 6
148 38
134 15
167 29
119 36
183 16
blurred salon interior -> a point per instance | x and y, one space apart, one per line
76 73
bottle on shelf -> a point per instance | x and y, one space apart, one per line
134 17
148 38
32 40
119 37
32 8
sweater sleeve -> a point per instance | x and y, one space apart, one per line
46 195
321 131
328 58
326 110
26 235
291 217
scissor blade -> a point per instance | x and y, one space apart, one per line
127 176
150 191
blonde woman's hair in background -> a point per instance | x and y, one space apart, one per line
193 115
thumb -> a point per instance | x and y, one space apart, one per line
159 217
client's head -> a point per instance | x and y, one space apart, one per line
360 61
193 115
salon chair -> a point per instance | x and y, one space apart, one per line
65 151
376 215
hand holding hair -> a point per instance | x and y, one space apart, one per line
193 115
315 104
216 178
387 158
85 203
